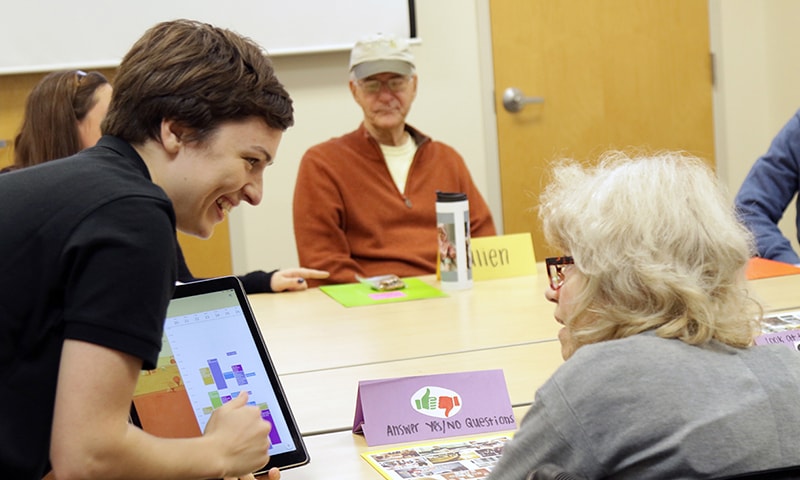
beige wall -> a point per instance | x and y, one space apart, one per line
758 83
448 107
758 74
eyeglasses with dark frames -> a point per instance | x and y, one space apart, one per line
555 270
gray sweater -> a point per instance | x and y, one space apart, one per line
648 408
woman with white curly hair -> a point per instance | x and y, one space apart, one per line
661 379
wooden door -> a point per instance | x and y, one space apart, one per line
208 257
621 74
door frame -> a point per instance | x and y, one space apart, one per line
493 195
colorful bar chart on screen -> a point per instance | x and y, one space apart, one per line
212 381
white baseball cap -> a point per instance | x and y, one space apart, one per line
381 53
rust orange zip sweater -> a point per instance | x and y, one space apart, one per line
350 218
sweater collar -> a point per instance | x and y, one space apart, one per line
419 137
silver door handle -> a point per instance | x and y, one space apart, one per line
514 100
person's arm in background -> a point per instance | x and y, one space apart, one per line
767 190
259 281
282 280
319 213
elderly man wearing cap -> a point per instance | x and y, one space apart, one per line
364 203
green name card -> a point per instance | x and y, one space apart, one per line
502 256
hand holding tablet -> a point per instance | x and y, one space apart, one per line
213 369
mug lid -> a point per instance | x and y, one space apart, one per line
450 196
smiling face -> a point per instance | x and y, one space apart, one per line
205 181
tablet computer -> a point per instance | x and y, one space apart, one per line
211 350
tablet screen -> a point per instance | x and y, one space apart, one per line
211 351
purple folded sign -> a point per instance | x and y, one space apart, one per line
409 409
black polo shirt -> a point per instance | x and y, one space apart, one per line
87 252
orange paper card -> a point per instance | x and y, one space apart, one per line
763 268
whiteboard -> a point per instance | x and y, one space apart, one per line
46 35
